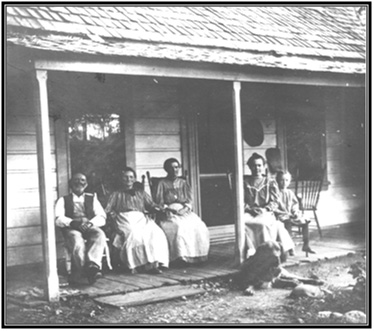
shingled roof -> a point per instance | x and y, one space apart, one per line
305 38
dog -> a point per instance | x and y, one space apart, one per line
263 269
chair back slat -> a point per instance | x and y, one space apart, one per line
230 180
153 182
310 191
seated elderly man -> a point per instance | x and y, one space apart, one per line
80 216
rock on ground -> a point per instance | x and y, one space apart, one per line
305 290
354 316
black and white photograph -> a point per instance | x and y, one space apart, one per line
194 164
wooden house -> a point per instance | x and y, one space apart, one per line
96 88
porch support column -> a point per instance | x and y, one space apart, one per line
238 176
51 288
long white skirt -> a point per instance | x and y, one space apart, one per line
187 235
140 241
265 227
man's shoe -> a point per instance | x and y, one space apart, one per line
155 271
307 249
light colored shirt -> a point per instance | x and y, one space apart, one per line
261 193
288 205
124 201
78 202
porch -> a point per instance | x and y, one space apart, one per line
24 285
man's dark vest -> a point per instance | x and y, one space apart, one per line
88 206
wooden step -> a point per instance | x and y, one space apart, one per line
149 296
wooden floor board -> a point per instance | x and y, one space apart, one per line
157 280
184 274
221 262
105 286
203 272
176 276
132 280
149 296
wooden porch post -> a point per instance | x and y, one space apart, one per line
51 289
239 173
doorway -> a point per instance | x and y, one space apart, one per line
216 157
97 149
90 119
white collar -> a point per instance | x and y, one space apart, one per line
78 198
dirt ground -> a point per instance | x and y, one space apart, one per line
222 303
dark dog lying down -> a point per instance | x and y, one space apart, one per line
264 267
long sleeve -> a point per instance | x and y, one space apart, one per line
273 197
60 219
148 202
100 216
295 210
187 194
159 199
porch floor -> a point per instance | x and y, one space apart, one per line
337 241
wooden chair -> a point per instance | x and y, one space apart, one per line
296 229
106 258
308 192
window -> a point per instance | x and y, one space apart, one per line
94 127
305 144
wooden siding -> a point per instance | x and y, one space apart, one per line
270 140
344 201
156 126
258 102
222 234
23 214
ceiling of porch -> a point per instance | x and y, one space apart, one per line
327 39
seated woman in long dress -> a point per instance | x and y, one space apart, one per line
261 199
141 243
187 234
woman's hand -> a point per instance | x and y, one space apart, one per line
284 217
112 215
184 210
256 211
160 209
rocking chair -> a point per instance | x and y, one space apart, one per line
308 192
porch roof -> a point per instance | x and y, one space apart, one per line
326 39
